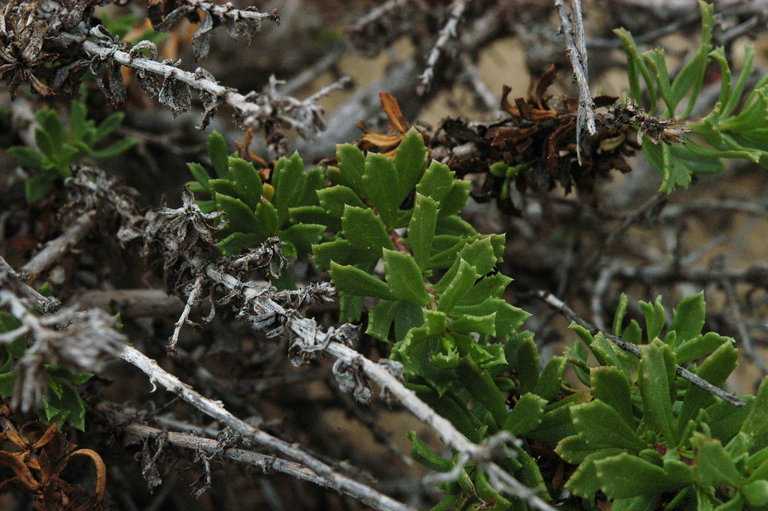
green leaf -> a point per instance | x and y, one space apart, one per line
741 82
673 172
691 76
107 126
355 281
365 230
527 364
50 122
238 241
352 167
199 173
713 466
700 346
625 476
756 493
240 216
456 199
436 182
489 494
688 318
611 386
621 311
456 226
338 250
217 151
7 384
461 282
351 307
555 425
315 181
46 145
38 187
336 198
303 236
488 286
380 319
27 157
115 149
247 181
73 405
409 315
445 254
66 374
207 206
756 423
223 186
655 318
266 218
548 386
404 278
481 254
435 322
467 324
658 65
584 481
313 215
77 118
638 65
381 184
424 455
195 187
601 426
421 229
409 162
289 185
657 385
480 385
526 415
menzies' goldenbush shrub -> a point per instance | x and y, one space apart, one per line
633 432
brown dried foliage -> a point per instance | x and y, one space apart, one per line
540 135
37 455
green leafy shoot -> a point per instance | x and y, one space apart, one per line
403 261
60 147
287 207
62 404
726 132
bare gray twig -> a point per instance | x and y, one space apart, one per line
192 298
449 30
576 49
58 247
214 409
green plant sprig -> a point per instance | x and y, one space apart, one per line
58 148
647 436
722 133
62 404
396 248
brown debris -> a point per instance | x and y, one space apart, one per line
38 456
538 139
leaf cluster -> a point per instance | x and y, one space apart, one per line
389 234
734 128
253 209
60 147
647 436
62 404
